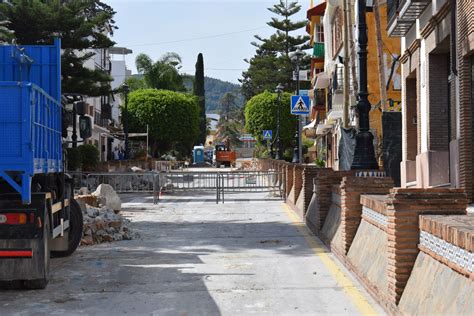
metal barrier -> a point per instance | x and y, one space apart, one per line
155 182
128 182
224 181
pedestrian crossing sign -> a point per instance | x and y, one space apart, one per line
300 105
267 134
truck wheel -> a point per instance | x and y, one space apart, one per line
39 284
76 225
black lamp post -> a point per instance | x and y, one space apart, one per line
126 91
297 55
364 155
279 91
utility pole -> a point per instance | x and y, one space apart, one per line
279 91
298 150
380 57
355 85
345 115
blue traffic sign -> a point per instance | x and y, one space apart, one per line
300 105
267 134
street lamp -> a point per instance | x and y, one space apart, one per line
126 91
297 151
364 155
279 91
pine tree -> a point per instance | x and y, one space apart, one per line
272 62
200 93
82 26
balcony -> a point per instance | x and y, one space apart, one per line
100 121
402 15
318 51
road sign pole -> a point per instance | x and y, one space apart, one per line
296 150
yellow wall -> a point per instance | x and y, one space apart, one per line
391 46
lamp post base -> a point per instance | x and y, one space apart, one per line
295 155
364 154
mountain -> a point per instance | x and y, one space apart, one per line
215 89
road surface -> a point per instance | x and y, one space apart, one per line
248 256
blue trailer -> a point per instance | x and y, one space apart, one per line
38 215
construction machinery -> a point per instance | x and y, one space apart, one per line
224 156
38 214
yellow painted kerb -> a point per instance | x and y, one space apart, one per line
358 299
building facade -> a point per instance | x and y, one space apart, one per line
437 39
105 110
335 143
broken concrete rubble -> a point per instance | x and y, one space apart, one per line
102 223
111 198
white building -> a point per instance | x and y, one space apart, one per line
105 110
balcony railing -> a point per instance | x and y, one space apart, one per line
402 15
100 121
318 50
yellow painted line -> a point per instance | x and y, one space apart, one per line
358 299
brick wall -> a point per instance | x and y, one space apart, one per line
289 178
411 129
297 181
309 173
465 30
438 72
450 240
403 209
322 193
351 208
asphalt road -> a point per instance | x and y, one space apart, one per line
194 257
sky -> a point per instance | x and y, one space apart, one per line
221 30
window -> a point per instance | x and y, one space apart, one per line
318 33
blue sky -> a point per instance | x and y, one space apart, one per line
222 30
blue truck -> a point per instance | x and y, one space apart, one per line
39 217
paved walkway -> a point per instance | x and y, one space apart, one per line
248 256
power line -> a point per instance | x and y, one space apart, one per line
197 38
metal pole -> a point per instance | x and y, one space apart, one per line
364 155
345 116
296 150
126 90
125 126
74 127
279 90
147 142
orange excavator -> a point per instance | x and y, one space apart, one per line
224 155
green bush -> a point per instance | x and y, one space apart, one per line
90 157
320 163
288 154
172 118
261 114
74 159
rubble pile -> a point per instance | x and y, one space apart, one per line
102 221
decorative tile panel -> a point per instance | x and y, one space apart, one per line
375 216
450 252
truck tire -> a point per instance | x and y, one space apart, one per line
39 284
76 225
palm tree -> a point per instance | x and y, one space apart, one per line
163 73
